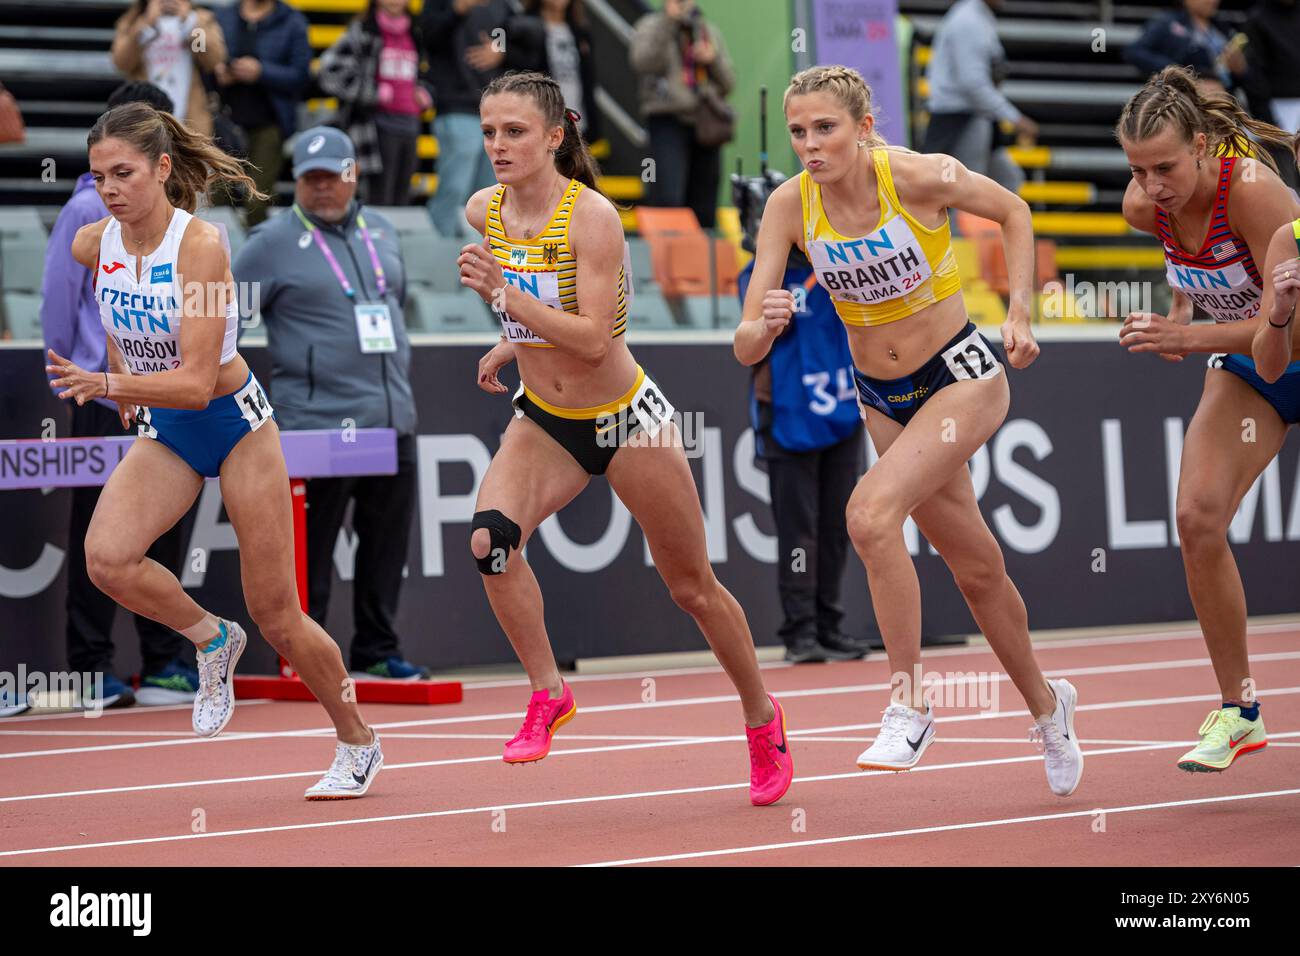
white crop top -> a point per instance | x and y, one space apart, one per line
144 318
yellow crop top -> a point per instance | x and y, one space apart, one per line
544 266
893 272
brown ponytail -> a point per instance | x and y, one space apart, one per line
1171 97
197 162
572 158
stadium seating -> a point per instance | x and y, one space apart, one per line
434 311
22 249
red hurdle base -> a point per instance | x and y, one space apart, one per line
288 686
368 691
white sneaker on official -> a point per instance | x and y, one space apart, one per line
353 771
1055 735
214 704
904 735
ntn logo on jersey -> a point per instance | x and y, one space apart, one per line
1228 277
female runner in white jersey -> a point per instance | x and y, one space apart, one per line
1215 211
551 266
165 293
874 223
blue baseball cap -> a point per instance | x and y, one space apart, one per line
322 147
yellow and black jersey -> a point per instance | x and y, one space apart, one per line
544 266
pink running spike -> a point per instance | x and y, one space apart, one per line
544 717
771 767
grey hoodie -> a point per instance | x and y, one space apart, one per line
319 375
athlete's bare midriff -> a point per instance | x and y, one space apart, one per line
565 381
914 339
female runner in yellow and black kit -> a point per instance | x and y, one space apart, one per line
874 223
551 267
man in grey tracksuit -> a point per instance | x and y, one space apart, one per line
341 356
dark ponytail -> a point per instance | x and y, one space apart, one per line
573 157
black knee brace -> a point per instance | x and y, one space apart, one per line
503 533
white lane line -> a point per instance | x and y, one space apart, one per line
136 711
502 738
1045 644
840 728
995 740
578 751
96 733
948 828
568 801
536 804
658 704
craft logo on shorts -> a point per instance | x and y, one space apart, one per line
518 256
77 909
162 273
551 253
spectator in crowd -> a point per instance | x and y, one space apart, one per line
1273 58
967 110
332 283
70 323
552 37
808 430
374 71
268 69
464 56
1193 36
171 44
677 54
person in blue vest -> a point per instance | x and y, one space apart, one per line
808 429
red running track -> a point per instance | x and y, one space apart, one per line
658 773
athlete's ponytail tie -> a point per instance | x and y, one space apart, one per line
573 116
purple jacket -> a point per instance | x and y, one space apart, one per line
69 315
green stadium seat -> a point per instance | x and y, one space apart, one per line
434 311
643 275
22 249
229 217
431 261
22 315
698 311
649 310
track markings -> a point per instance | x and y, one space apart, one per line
605 798
947 828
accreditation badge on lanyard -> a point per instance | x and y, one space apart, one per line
374 321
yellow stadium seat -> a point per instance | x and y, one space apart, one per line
1030 157
1075 258
984 306
1080 224
1059 193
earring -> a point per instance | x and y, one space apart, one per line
1198 164
862 143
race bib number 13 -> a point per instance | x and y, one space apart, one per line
651 407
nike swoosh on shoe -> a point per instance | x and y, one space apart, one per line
916 745
361 778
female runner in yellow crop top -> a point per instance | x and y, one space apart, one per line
931 389
550 266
